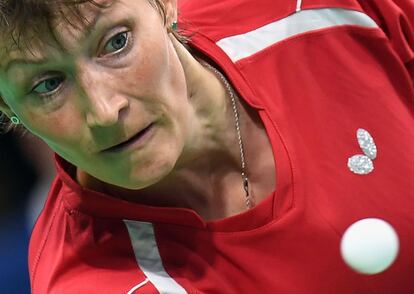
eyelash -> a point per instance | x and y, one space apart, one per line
119 53
48 96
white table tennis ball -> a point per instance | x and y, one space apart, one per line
369 246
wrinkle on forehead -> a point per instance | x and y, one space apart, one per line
71 29
33 50
51 35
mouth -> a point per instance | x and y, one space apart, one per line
133 141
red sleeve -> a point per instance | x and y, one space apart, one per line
396 19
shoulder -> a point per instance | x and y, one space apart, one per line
42 229
218 19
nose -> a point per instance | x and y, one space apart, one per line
103 103
104 111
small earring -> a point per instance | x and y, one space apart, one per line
174 26
15 120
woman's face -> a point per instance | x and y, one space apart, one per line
100 88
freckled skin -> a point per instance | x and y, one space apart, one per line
111 98
106 99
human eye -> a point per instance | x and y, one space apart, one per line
48 87
116 44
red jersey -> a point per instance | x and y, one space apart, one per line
316 71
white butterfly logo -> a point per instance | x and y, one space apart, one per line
362 164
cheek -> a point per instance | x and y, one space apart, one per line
150 70
61 128
150 62
156 77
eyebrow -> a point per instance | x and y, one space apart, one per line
16 61
86 33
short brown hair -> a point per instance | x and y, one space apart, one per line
17 16
21 18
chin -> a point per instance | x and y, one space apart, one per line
141 178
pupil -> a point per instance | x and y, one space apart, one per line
51 84
119 42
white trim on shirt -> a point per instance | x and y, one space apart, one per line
148 257
241 46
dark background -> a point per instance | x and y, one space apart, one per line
25 176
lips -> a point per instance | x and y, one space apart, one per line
129 141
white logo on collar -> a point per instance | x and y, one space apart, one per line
362 164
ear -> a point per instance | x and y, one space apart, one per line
170 11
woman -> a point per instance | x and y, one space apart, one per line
232 164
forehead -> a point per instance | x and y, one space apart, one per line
67 31
33 50
70 28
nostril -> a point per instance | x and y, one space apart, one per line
107 112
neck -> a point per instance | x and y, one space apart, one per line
207 176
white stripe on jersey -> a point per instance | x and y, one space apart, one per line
149 259
298 5
241 46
